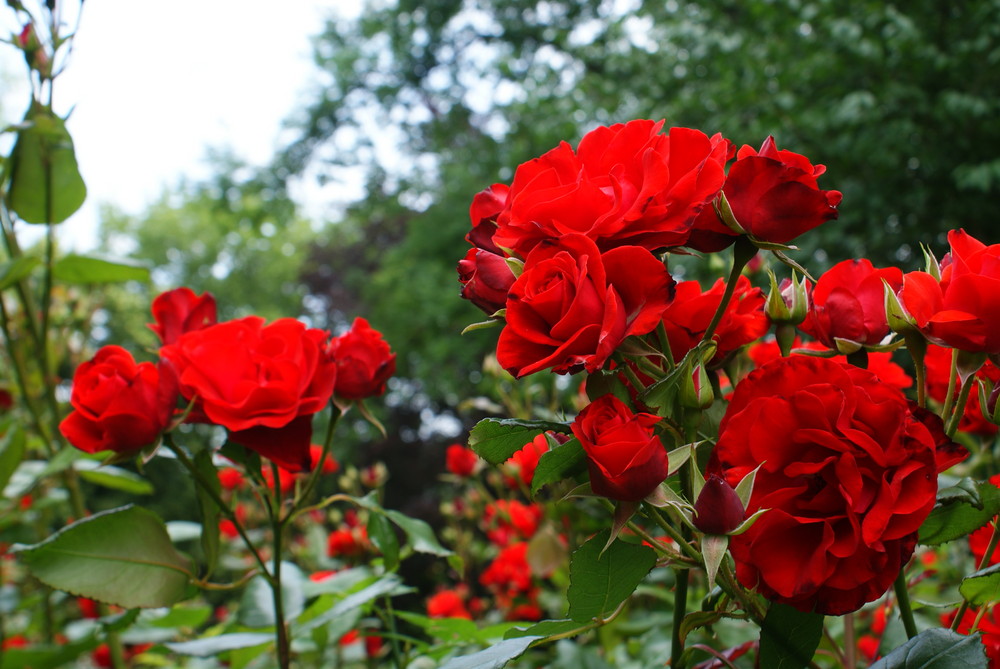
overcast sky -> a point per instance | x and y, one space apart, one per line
153 83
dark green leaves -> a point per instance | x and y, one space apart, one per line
937 649
960 509
497 439
982 587
123 557
600 582
789 638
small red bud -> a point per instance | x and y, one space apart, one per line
718 509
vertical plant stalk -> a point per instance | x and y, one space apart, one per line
987 558
743 252
278 527
905 609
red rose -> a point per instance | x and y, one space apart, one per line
847 472
119 405
691 311
180 310
447 604
261 382
962 310
572 305
364 362
524 462
773 196
486 278
625 458
879 363
848 303
624 185
937 362
461 460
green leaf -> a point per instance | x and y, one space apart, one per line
546 628
122 557
389 584
214 645
494 657
11 453
45 182
982 587
561 462
188 616
14 270
48 657
789 637
937 648
211 514
81 269
418 533
257 603
383 536
497 439
599 583
113 478
958 513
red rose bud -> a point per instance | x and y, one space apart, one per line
718 509
180 310
774 196
624 456
848 305
119 405
364 362
486 278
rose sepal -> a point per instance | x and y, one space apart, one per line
623 513
497 318
713 551
931 264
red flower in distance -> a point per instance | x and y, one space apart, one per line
180 310
626 184
461 460
847 472
848 303
447 604
364 362
962 310
261 382
937 362
119 405
572 305
525 461
773 195
688 316
625 458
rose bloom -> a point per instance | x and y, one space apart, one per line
774 196
508 520
689 314
461 460
180 310
447 604
625 458
572 306
119 405
962 310
848 303
261 382
847 472
484 273
524 462
879 363
626 184
364 362
937 362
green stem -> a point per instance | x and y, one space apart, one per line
963 399
680 610
905 610
987 558
949 399
743 252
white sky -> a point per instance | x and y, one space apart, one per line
153 83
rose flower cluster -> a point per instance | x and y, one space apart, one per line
571 258
261 381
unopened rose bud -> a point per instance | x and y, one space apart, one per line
718 509
696 390
788 302
374 476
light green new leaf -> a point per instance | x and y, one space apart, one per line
122 557
45 182
214 645
12 446
494 657
14 270
81 269
113 478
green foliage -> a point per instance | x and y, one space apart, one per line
497 439
601 579
789 638
937 649
960 509
122 557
